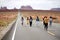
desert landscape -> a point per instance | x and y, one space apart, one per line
41 14
6 18
29 19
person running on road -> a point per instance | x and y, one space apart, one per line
37 21
30 21
22 19
50 20
46 23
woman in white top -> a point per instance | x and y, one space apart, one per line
50 20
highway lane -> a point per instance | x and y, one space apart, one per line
26 32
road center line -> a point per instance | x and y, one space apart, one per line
51 33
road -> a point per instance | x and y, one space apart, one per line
36 32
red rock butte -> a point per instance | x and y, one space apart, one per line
26 8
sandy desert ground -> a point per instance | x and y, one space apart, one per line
6 18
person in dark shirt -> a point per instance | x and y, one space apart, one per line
30 21
37 21
22 19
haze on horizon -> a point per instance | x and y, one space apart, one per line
35 4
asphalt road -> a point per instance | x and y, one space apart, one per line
36 32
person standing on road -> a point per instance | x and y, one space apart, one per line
50 20
22 19
45 23
30 21
27 20
37 21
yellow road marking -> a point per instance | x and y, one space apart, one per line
51 33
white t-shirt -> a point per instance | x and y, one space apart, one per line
50 19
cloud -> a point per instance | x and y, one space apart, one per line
36 4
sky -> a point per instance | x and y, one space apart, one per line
35 4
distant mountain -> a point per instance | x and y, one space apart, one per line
55 9
26 8
3 8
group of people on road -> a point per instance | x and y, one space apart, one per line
29 20
45 21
